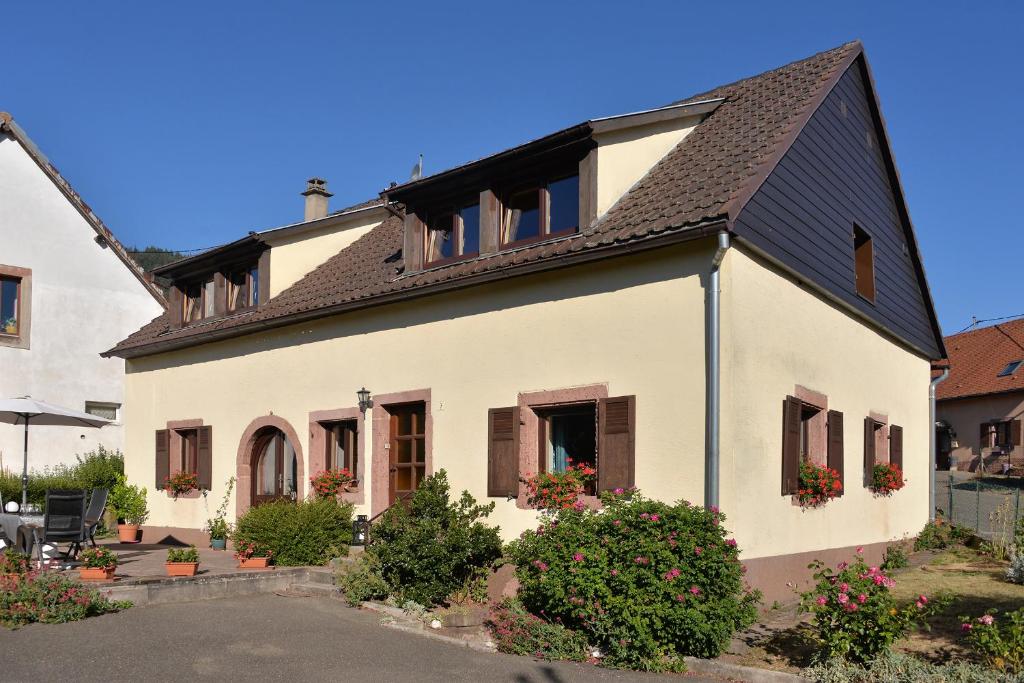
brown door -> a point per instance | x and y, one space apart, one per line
408 452
273 468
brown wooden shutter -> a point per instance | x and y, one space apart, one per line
616 442
869 450
163 457
791 409
175 301
503 452
835 444
1015 435
896 446
983 439
204 461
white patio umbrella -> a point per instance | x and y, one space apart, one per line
26 409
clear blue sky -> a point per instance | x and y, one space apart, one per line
187 124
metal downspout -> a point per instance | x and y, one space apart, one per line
712 403
932 442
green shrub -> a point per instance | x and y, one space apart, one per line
433 546
940 534
99 469
855 615
895 558
129 503
360 580
998 640
893 667
517 632
189 554
52 598
646 582
310 532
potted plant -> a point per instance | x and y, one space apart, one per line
329 483
886 479
129 502
218 526
11 325
180 483
182 561
98 564
818 485
251 556
13 568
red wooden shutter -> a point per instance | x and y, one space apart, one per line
791 409
616 442
204 461
896 446
869 450
163 457
502 452
835 444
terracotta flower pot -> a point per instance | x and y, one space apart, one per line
254 562
181 568
96 573
128 533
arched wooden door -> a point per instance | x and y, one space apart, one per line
274 468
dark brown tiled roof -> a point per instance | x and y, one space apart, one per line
698 182
977 357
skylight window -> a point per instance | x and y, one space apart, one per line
1010 368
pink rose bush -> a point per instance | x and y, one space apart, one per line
998 639
645 582
52 598
855 615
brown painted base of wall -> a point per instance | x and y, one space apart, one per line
781 577
171 535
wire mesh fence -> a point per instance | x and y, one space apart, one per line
989 505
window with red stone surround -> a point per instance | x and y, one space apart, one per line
178 432
814 423
320 439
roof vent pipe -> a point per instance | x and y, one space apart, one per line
316 195
712 403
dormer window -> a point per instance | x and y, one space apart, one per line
243 288
536 213
192 304
453 234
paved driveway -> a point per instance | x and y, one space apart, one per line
263 638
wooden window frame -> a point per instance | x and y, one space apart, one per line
458 227
17 307
251 287
331 440
544 218
188 449
23 306
544 414
864 244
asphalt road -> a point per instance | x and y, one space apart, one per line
264 638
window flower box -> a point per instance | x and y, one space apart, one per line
886 479
96 573
818 485
181 483
254 562
98 564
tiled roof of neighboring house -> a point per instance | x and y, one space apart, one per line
977 357
8 126
704 181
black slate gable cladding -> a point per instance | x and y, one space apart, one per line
834 176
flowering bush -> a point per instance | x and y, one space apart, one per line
818 485
855 614
644 581
886 478
14 563
998 639
98 558
181 483
559 490
517 632
329 483
245 550
51 598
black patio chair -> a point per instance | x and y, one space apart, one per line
94 513
64 521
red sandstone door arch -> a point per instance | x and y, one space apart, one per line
274 467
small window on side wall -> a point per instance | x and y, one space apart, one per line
10 298
864 263
108 411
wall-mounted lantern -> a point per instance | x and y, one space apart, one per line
364 399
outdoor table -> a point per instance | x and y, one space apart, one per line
18 528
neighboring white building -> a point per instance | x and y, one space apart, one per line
68 290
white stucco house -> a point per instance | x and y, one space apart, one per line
68 290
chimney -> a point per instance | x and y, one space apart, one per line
316 195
